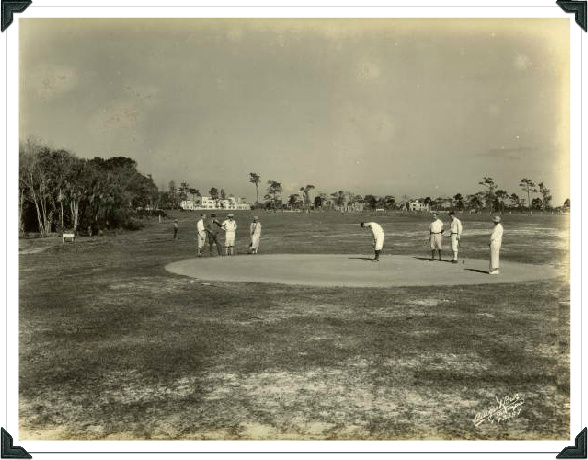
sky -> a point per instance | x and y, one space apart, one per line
415 107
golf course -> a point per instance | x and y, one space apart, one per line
129 336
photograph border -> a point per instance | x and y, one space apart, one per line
9 233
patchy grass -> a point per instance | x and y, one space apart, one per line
114 347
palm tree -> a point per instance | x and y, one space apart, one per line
490 185
255 178
545 194
528 186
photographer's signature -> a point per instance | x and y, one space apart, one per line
507 408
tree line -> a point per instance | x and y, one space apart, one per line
58 191
491 198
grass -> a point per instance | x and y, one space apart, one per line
112 346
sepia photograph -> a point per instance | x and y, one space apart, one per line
294 229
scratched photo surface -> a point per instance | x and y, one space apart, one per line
192 264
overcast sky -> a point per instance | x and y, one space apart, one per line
415 107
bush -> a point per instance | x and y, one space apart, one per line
132 224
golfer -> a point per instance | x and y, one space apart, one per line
213 227
230 227
255 234
378 234
495 243
201 234
176 229
456 229
435 233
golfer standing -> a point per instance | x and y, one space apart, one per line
378 235
456 229
176 228
255 234
435 232
213 228
495 243
201 234
230 227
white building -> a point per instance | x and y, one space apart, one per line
417 205
208 203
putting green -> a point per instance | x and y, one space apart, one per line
354 270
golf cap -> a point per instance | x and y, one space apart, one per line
435 214
175 220
496 219
213 215
230 215
255 218
451 213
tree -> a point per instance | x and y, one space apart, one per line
490 185
501 197
528 186
371 201
255 178
514 200
172 193
537 203
567 203
274 191
458 201
183 191
389 202
546 197
222 194
339 198
474 202
213 193
294 200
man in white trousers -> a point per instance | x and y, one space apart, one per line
378 235
201 233
495 243
456 229
435 234
230 227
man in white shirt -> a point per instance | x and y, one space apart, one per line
378 235
435 235
255 234
201 233
230 227
495 243
456 229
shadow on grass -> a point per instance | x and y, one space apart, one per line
432 260
361 258
474 270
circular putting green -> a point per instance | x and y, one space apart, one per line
355 270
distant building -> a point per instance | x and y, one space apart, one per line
416 205
208 203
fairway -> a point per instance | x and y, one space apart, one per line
355 270
115 346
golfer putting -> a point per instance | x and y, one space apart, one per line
378 236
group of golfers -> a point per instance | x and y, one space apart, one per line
208 231
435 239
